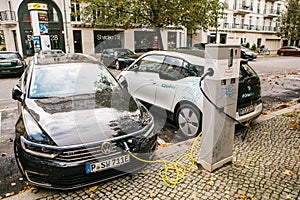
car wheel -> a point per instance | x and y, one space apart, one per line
189 121
282 54
117 65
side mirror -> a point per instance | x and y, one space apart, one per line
17 93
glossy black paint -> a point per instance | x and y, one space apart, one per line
72 128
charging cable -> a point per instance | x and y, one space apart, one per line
210 72
178 167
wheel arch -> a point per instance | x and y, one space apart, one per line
183 102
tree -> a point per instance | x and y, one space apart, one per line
193 14
290 21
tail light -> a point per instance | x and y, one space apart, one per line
19 62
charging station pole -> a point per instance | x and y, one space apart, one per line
222 89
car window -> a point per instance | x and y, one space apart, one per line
151 63
123 52
246 72
53 81
9 56
172 69
193 70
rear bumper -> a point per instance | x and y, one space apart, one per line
257 111
17 70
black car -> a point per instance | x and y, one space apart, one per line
117 57
75 123
247 54
11 63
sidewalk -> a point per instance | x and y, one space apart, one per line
265 166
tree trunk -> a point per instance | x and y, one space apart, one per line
159 38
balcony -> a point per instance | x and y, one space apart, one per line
243 9
271 1
271 13
270 29
8 18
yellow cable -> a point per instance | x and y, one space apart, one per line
178 167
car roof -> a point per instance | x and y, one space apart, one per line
191 56
67 58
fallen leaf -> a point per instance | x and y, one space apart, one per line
109 189
13 184
227 192
288 172
92 189
238 165
163 145
21 179
266 133
34 190
152 195
147 172
243 196
9 194
92 195
288 197
122 193
211 183
194 195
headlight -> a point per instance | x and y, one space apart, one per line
34 132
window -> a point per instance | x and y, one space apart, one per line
75 8
150 63
172 69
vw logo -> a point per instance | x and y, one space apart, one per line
106 147
249 88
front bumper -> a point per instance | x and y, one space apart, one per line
65 174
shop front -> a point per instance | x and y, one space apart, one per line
41 26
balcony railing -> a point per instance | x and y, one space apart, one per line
7 15
243 8
231 26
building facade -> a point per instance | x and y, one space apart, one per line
247 21
30 25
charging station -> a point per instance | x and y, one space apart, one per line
221 89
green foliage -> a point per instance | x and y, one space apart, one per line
248 45
290 21
253 47
151 13
3 48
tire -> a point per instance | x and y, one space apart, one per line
282 54
117 64
189 121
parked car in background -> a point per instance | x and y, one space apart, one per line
170 80
117 57
11 63
51 53
74 118
247 54
288 51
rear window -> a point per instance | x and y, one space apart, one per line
246 71
4 56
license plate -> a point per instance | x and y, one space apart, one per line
246 110
106 164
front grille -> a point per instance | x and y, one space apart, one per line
86 153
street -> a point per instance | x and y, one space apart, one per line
280 83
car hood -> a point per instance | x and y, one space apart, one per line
86 118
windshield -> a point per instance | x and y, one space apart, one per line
124 52
66 80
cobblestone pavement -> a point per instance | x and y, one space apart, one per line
265 166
